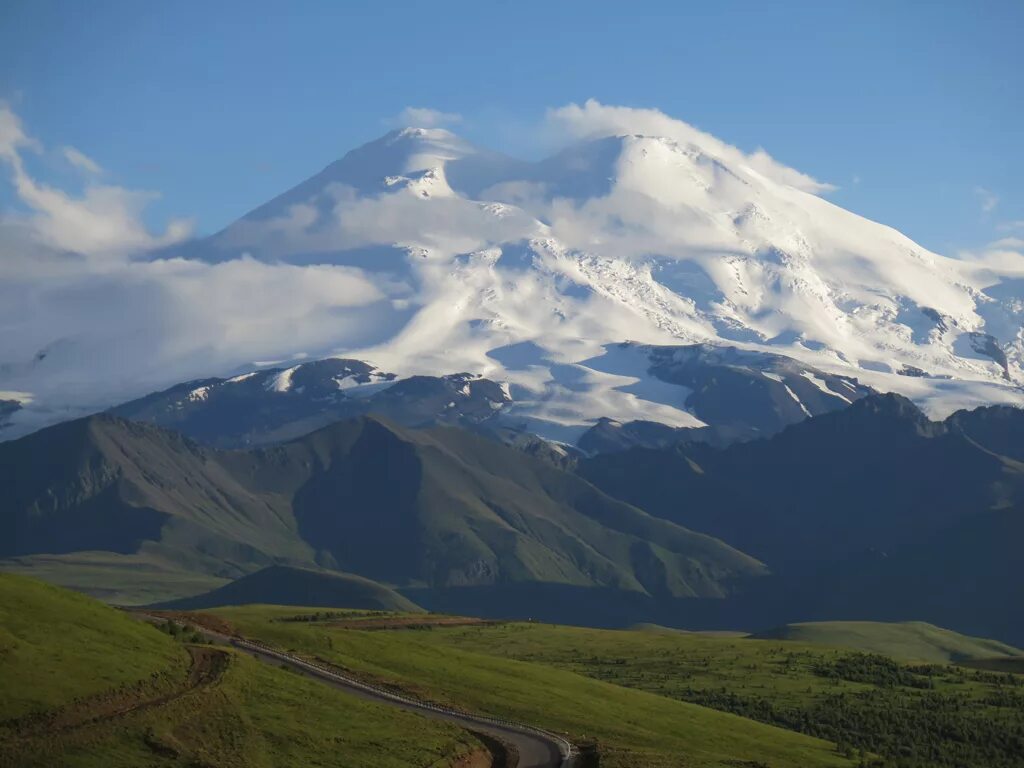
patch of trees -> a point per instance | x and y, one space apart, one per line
874 669
329 616
902 718
182 633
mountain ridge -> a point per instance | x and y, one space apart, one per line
438 508
871 512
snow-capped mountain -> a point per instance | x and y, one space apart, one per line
535 273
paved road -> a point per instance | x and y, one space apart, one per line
536 748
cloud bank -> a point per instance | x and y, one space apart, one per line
83 318
425 117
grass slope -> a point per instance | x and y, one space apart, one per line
86 685
288 585
910 641
57 645
136 579
916 716
260 717
635 729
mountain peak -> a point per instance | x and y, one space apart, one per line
876 417
448 257
889 404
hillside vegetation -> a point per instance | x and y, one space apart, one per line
634 728
86 685
56 646
913 715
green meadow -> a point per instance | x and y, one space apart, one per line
87 685
648 697
633 728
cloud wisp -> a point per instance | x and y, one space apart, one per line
81 161
425 117
988 199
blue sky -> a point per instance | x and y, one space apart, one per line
913 109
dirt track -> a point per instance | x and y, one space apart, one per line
39 734
206 667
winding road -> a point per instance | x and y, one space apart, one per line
536 748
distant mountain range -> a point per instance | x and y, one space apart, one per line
868 512
735 394
436 508
872 512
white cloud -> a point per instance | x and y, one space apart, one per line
12 135
103 221
1008 243
593 120
82 324
113 334
1003 257
989 200
1011 226
80 160
424 117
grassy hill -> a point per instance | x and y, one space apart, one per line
57 645
86 685
634 728
439 508
288 585
910 641
917 716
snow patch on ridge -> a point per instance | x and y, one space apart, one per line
281 382
201 393
793 395
823 386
